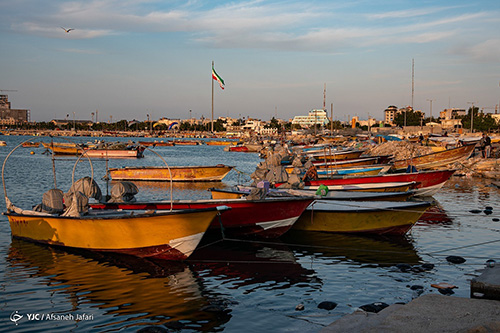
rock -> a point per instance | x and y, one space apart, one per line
488 208
327 305
403 267
416 287
374 307
299 307
475 211
495 219
488 212
428 267
455 259
446 291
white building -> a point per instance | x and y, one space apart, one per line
317 116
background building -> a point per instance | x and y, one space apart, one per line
316 116
10 116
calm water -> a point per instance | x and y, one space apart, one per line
230 286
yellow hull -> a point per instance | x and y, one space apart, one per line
225 195
380 221
179 173
162 235
219 143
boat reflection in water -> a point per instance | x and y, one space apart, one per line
128 291
381 250
253 265
435 214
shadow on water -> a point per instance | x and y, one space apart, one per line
129 290
251 263
380 250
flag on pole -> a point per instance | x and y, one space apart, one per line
217 78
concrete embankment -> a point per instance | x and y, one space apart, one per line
434 313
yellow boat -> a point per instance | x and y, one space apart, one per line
379 217
177 173
169 235
219 143
66 220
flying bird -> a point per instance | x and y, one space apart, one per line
67 30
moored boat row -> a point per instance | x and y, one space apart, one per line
173 229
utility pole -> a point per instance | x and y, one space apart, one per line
430 100
472 117
331 124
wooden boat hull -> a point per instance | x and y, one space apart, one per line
157 143
368 187
269 218
167 235
337 156
238 148
179 173
71 149
331 195
31 144
219 143
114 153
365 217
326 173
346 163
428 182
437 159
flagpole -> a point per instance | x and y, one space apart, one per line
212 122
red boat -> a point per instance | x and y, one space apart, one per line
268 218
238 148
428 182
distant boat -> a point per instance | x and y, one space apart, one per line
157 143
219 143
179 173
116 150
31 144
437 159
239 148
186 143
328 155
378 217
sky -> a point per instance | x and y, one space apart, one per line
130 59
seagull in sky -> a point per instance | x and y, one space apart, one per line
67 30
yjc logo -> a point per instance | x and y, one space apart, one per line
15 317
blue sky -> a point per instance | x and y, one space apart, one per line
130 58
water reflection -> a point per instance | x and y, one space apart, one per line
253 264
435 214
123 286
382 250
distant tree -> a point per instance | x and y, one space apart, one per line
481 122
412 118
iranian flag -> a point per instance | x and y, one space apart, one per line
217 78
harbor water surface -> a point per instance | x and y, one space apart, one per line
230 285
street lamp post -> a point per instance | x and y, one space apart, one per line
471 117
